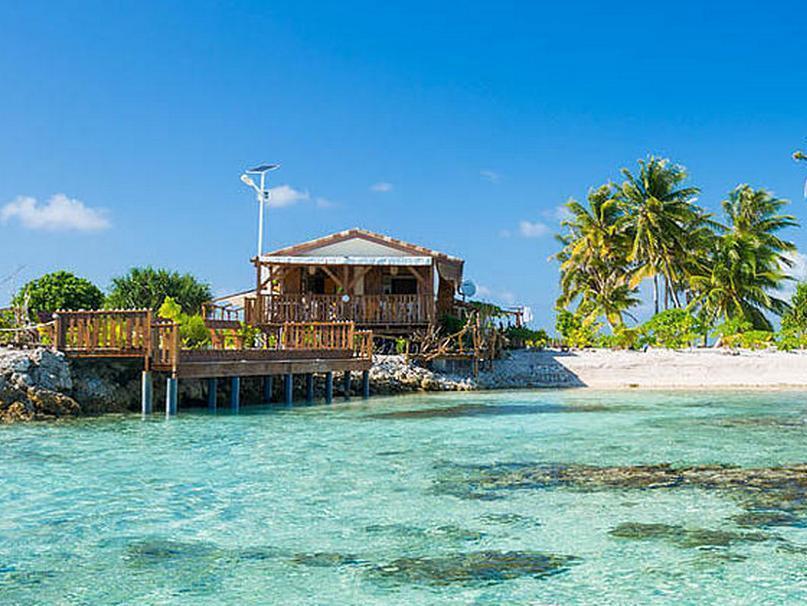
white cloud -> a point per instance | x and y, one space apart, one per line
798 271
490 175
381 187
528 229
504 297
285 195
60 213
559 213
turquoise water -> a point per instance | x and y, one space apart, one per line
406 500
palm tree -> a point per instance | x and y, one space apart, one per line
594 268
661 215
749 262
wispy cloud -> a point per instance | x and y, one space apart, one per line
485 293
559 213
60 213
797 270
324 203
285 195
490 175
381 187
530 229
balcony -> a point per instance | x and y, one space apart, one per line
364 310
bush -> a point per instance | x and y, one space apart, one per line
192 328
795 319
789 339
577 330
147 288
672 328
730 332
58 290
520 336
756 339
450 324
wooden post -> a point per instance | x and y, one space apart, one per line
171 396
329 387
346 385
146 393
365 384
212 387
268 388
309 387
235 394
288 389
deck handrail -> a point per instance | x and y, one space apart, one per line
362 309
135 333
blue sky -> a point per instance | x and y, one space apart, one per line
480 119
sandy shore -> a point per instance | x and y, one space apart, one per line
663 369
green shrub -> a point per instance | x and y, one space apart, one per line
450 324
756 339
672 328
193 331
147 288
59 290
789 339
521 336
576 329
730 331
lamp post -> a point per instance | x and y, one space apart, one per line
261 193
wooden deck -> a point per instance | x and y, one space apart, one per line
289 348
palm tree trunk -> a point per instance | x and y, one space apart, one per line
655 293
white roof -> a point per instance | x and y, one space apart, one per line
345 260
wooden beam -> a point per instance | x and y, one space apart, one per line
333 277
418 275
358 274
202 370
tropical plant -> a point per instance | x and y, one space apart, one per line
58 290
146 287
661 217
748 263
192 328
671 328
595 271
578 329
795 318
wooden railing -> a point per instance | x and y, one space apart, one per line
362 309
227 313
113 333
318 335
134 333
363 344
165 346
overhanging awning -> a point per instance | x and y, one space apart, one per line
344 260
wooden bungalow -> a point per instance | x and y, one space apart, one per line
378 282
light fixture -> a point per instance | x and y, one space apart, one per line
261 192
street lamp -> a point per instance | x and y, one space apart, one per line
261 193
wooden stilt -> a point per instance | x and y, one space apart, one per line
288 388
329 387
346 385
365 384
309 387
268 388
235 394
146 393
212 387
171 396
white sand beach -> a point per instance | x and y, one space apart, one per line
660 369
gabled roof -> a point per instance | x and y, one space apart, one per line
363 234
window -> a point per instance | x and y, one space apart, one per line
404 286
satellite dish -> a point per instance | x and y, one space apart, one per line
467 288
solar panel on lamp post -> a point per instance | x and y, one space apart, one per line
261 193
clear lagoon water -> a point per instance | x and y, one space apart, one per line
409 500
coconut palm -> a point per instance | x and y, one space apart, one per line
594 269
749 263
660 213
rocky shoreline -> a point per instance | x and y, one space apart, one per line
42 384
